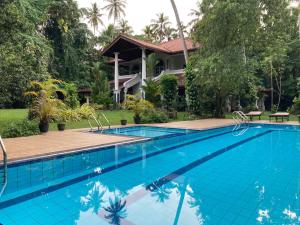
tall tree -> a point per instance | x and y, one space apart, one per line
115 8
124 27
107 35
180 31
160 25
149 33
94 17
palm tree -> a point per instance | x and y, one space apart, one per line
197 14
115 9
108 35
180 31
124 27
149 34
159 26
94 16
170 33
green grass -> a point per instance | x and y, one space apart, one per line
13 115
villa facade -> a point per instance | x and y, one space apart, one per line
130 62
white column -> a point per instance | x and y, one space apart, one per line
144 69
117 91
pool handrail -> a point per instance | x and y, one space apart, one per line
105 118
4 153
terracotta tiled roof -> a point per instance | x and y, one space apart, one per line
170 47
174 46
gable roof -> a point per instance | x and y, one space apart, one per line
127 45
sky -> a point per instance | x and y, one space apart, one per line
140 12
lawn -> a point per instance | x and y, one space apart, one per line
12 115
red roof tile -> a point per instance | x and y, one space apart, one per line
174 46
171 47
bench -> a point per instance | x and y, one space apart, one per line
281 115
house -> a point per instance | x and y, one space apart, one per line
130 62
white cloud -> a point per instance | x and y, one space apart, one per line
140 12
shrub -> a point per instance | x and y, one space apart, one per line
192 91
154 116
21 129
168 86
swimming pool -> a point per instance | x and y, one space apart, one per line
147 131
207 177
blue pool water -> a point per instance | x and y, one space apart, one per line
147 131
206 177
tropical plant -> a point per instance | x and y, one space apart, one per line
107 35
152 92
45 102
151 62
197 14
115 8
124 27
100 88
94 15
20 129
169 90
160 25
149 33
137 105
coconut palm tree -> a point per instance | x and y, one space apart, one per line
124 27
180 31
107 35
160 25
115 9
94 16
196 14
149 34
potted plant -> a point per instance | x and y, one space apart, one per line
63 116
137 105
123 119
45 101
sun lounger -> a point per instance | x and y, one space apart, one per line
253 114
281 115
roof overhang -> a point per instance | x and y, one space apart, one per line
129 48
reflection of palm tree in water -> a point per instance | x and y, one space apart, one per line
94 198
116 210
161 192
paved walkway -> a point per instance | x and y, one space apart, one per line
55 142
58 142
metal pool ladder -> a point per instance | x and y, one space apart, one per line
3 170
98 122
240 119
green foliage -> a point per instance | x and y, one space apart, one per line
45 102
100 88
71 98
24 53
151 89
154 116
137 104
21 129
72 43
192 91
168 87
